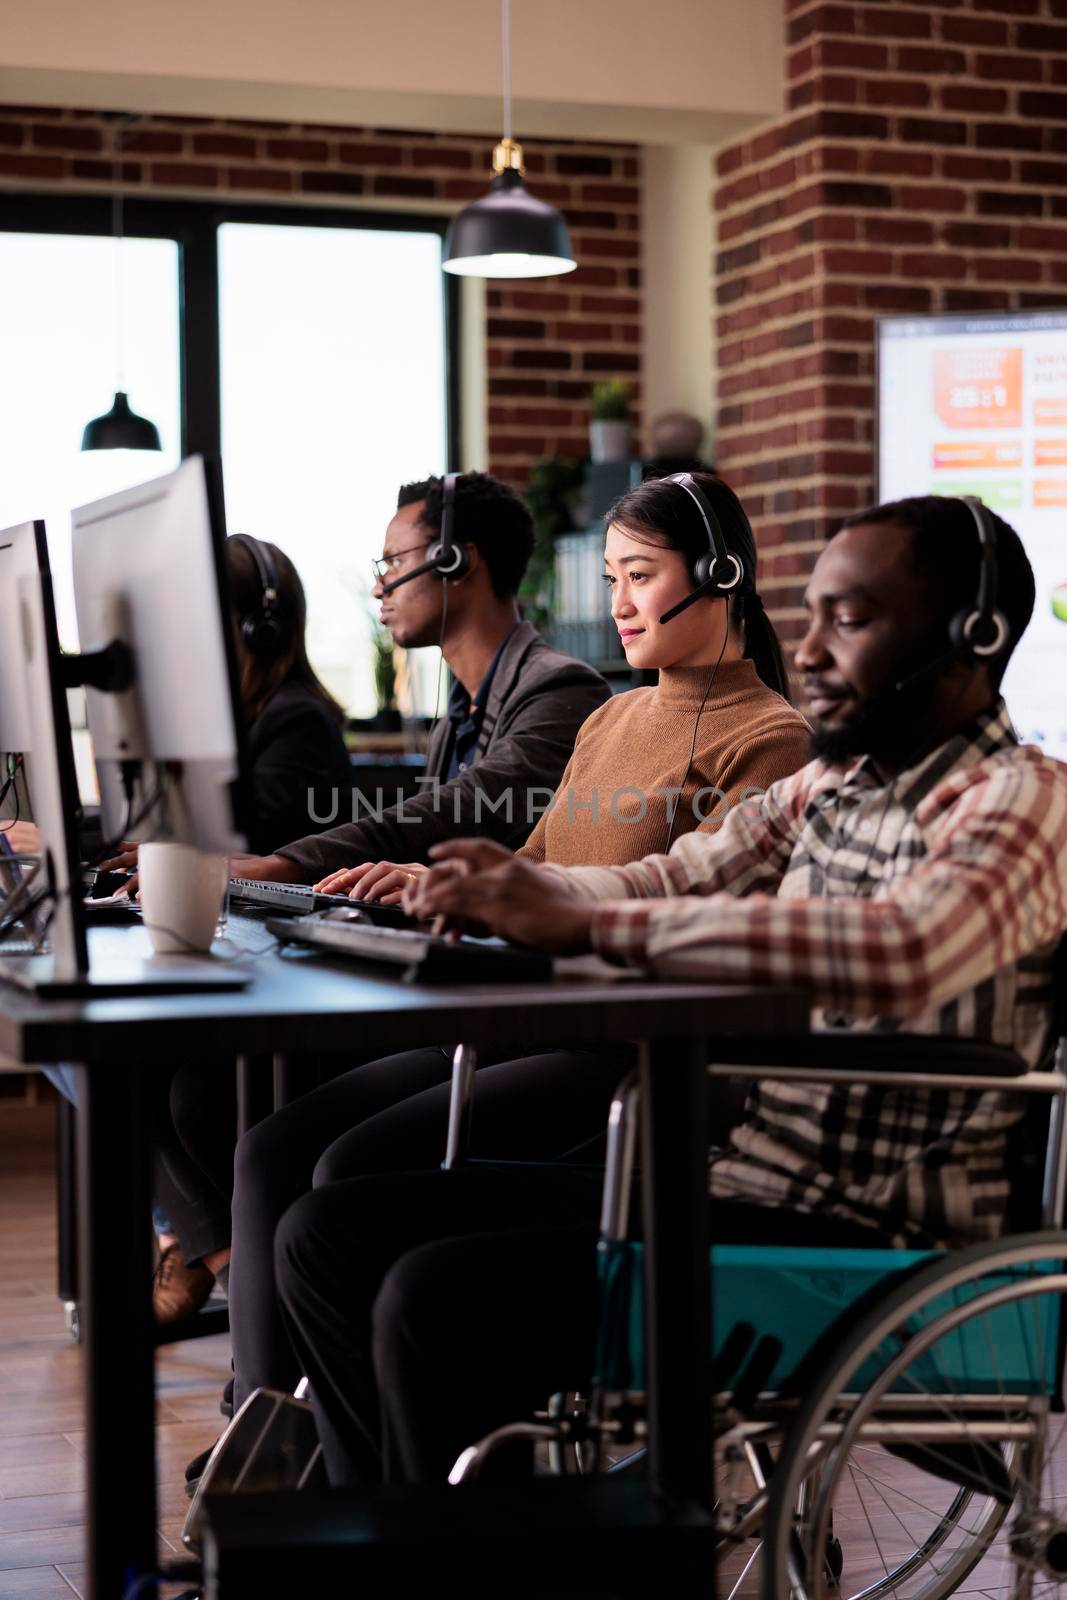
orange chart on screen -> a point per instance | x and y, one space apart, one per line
979 388
1050 413
1050 492
978 453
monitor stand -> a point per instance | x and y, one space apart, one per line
132 978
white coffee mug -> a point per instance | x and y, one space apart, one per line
181 892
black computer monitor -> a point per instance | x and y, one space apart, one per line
167 730
35 728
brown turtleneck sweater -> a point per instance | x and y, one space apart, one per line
640 741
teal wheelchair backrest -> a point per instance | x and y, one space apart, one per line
799 1296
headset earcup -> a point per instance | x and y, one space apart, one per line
958 637
724 575
262 635
702 569
459 562
968 641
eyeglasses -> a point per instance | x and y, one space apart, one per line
384 566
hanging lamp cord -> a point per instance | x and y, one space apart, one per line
505 40
122 123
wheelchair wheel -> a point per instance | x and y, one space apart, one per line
931 1442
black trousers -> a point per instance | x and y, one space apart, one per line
428 1308
390 1116
194 1126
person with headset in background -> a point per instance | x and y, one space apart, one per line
455 554
296 751
297 760
650 764
912 876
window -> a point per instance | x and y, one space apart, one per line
333 394
307 347
60 364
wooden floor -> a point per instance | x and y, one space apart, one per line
41 1473
41 1437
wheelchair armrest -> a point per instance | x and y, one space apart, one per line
899 1053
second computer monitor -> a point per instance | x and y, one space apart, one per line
148 575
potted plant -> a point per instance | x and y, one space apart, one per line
388 717
609 430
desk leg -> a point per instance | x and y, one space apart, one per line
66 1204
115 1266
674 1159
282 1082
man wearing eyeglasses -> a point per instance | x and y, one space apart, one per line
513 713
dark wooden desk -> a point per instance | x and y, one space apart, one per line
301 1001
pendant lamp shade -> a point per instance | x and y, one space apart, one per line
508 233
120 429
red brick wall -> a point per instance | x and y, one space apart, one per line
548 340
921 167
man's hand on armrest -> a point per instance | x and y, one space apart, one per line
269 869
477 881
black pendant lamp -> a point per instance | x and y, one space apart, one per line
120 428
508 233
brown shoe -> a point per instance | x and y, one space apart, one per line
178 1291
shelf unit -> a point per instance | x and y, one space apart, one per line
581 623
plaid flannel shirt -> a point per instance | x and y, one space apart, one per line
933 903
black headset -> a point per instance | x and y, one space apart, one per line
980 632
449 559
717 571
445 558
262 631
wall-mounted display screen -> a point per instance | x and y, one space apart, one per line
978 405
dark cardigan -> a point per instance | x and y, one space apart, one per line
294 745
538 701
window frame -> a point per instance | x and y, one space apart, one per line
193 225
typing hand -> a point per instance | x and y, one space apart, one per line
384 881
477 881
124 860
268 869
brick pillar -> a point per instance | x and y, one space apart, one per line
921 167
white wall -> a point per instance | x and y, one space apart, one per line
678 240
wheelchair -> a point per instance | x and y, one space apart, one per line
888 1424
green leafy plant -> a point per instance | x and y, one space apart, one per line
611 400
384 666
551 491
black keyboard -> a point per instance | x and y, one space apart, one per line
100 885
425 957
299 899
110 913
